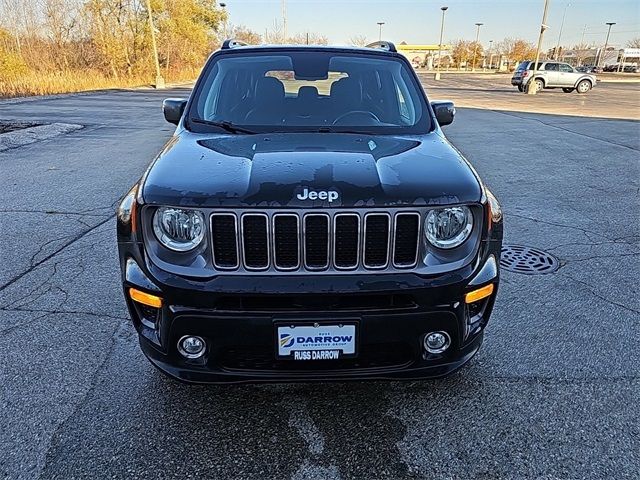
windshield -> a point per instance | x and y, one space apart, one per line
309 91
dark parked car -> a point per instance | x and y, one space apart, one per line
589 69
309 220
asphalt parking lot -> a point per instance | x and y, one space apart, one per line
553 393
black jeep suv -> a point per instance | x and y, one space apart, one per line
309 220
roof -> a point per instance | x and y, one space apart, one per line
376 47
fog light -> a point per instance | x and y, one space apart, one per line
436 342
191 346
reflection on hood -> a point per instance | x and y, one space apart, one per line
269 170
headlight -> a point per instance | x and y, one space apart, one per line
178 229
494 207
448 227
126 209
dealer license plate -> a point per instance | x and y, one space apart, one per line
316 342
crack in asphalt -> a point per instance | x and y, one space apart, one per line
595 257
53 254
615 241
568 130
546 222
93 383
21 325
32 291
591 288
58 311
53 212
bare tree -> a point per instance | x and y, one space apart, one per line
308 38
633 43
60 20
244 34
359 40
275 35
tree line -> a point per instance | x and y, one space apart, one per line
52 46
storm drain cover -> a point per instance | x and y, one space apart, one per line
527 260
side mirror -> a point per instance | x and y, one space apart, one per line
173 109
445 111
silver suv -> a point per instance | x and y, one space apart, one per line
553 75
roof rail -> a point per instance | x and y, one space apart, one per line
383 45
232 43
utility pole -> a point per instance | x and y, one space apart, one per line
475 47
437 75
561 27
284 21
606 43
531 86
154 47
224 6
380 24
490 54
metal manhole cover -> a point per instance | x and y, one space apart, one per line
527 260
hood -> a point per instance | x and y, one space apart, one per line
309 170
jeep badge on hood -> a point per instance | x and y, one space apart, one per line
307 194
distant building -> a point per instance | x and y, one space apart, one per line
425 55
593 55
629 56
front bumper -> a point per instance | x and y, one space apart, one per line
237 317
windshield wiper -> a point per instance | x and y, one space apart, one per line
338 130
227 126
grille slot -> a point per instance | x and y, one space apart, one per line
255 241
286 238
346 249
316 241
376 240
331 240
405 243
225 240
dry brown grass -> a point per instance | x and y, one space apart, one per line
49 83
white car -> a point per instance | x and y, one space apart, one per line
553 75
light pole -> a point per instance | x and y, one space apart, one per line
606 43
154 47
490 54
224 6
561 27
531 86
380 24
437 75
475 47
284 21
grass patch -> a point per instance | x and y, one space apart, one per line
50 83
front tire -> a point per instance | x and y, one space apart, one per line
567 90
583 86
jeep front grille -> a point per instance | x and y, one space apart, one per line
315 241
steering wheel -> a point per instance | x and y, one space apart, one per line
356 113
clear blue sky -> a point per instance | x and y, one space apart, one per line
418 21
